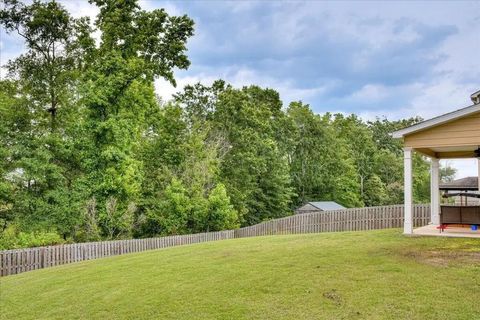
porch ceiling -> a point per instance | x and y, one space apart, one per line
449 152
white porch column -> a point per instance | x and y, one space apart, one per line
435 191
478 161
408 191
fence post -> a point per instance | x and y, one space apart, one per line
42 258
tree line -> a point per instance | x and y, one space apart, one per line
90 152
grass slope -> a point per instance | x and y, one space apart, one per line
362 275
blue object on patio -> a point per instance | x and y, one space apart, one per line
474 227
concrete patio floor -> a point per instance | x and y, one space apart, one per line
454 231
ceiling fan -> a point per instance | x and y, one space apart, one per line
477 152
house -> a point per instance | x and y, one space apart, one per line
316 206
450 136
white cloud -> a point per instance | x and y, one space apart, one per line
288 91
455 76
169 7
426 100
442 96
370 92
239 77
165 89
80 8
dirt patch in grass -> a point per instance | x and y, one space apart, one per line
333 296
444 258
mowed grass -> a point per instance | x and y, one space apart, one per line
352 275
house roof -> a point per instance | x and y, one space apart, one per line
447 117
326 205
468 183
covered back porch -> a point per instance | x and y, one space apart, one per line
454 135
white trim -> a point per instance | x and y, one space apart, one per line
435 191
478 173
437 121
408 191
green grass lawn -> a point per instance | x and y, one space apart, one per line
352 275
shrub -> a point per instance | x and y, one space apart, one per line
221 214
11 238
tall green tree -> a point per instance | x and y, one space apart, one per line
45 78
447 173
136 47
47 70
14 117
361 149
162 154
255 170
319 164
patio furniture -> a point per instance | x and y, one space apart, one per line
451 214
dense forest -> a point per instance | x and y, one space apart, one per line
89 151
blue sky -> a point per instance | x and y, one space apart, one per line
393 59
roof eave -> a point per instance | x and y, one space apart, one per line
436 121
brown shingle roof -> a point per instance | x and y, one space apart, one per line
468 183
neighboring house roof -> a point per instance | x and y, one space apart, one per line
326 205
468 183
438 120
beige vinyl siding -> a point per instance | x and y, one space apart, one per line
461 132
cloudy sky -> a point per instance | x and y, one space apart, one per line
375 59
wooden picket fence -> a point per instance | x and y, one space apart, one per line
354 219
20 260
